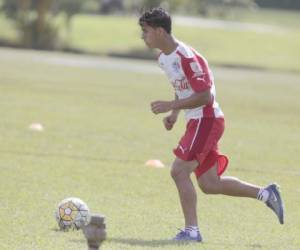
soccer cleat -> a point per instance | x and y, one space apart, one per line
275 202
185 236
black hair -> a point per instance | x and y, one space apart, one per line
157 17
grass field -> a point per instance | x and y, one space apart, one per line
276 48
99 132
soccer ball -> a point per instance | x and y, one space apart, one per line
72 213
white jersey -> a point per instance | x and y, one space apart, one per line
189 73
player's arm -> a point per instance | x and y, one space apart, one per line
195 100
199 78
171 119
175 111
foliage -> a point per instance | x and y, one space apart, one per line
280 4
32 22
34 19
109 6
69 7
193 6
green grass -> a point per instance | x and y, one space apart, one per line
281 18
273 50
7 29
97 33
99 131
278 49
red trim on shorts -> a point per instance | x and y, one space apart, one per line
210 161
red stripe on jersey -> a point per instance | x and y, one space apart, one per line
208 110
196 71
201 82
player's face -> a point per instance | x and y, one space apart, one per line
150 36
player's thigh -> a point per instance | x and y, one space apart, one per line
209 178
181 167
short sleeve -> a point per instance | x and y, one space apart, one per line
197 72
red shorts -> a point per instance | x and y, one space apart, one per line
200 142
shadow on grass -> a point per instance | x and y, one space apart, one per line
164 242
143 243
57 230
234 245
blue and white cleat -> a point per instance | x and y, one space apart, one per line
275 202
185 236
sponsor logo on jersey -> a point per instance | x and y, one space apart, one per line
196 69
180 84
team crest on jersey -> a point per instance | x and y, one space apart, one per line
196 69
176 66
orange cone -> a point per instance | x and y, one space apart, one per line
154 164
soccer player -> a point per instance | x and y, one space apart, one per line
197 151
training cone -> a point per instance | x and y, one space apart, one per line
36 127
154 164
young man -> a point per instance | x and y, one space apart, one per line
197 150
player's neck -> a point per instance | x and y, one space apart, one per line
168 45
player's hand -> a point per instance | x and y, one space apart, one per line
161 107
169 121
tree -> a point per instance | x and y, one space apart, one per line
280 4
109 6
69 7
31 19
206 7
34 19
191 7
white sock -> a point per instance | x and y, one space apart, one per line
263 195
192 230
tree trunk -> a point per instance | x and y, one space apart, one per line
22 17
24 5
42 36
42 10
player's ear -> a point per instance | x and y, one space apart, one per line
160 31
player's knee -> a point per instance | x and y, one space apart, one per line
177 172
173 173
